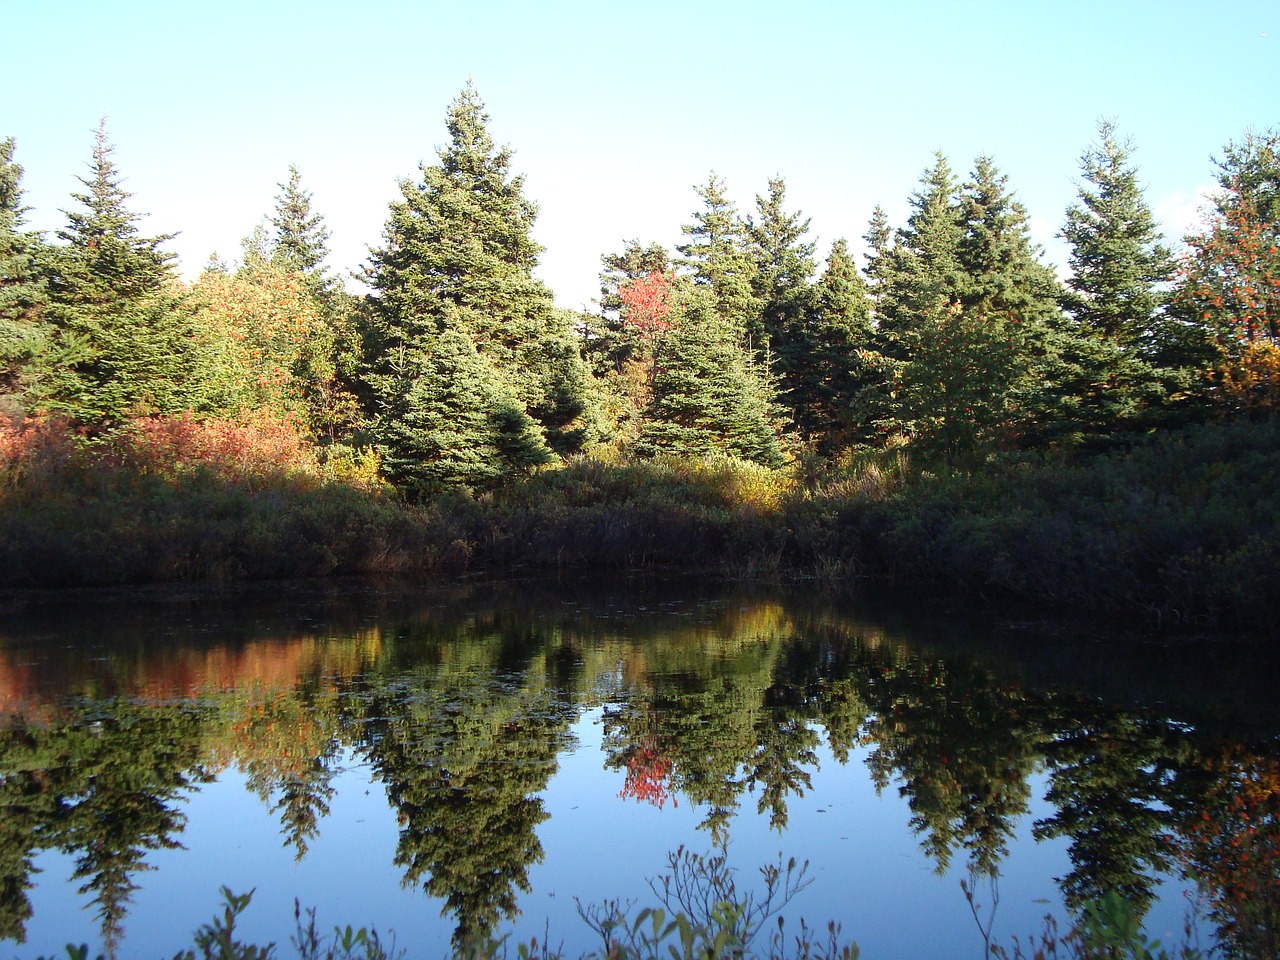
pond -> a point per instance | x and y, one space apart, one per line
481 759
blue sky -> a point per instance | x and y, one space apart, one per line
615 111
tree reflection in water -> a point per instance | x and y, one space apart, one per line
461 712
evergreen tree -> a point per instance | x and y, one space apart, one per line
456 422
924 267
716 256
783 262
914 280
963 305
458 255
301 239
22 289
833 391
1108 372
709 396
119 337
782 274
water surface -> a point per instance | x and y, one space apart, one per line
473 760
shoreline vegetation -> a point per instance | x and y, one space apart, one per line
951 417
1177 530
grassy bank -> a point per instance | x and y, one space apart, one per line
1182 528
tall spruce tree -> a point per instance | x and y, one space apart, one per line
119 336
832 390
782 283
963 304
22 288
458 256
716 256
924 266
709 394
301 238
1109 371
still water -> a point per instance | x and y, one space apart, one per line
480 759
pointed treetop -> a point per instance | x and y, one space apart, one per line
301 240
12 213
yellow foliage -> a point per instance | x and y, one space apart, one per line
1251 381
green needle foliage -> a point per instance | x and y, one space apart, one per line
22 288
458 257
119 337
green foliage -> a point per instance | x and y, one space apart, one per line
1107 929
1112 363
962 303
22 287
708 394
459 256
710 916
456 421
716 257
301 240
119 341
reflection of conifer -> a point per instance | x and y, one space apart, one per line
1110 781
302 803
119 801
463 772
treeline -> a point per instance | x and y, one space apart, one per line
954 350
956 340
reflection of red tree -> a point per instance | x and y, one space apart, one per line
648 775
1232 847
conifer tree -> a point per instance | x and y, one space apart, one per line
119 337
841 370
924 266
22 288
458 423
1108 362
458 255
782 274
783 262
716 256
301 238
709 395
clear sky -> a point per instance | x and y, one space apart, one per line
615 110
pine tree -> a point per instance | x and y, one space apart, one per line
1015 295
458 255
783 263
301 238
716 257
119 337
963 304
709 396
1109 373
457 423
841 371
782 285
925 267
22 288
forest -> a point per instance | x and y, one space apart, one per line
951 416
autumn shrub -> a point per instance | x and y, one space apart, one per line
34 450
248 451
1250 382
